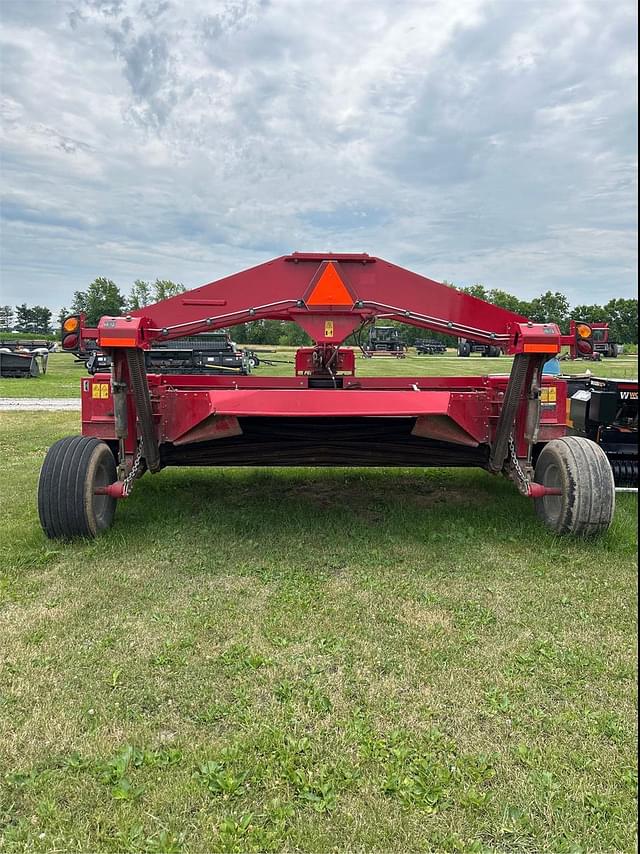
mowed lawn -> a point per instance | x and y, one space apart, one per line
312 660
64 373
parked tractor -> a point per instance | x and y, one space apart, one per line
142 417
385 341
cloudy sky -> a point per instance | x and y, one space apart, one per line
484 141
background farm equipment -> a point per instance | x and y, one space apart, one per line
606 411
385 341
27 344
591 341
20 359
429 347
466 347
201 354
145 415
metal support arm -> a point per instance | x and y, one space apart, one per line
140 387
363 287
520 411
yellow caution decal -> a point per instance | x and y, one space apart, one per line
100 391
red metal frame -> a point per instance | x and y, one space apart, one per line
339 361
184 401
329 296
282 289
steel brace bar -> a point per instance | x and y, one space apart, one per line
512 399
140 387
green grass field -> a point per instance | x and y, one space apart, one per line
63 374
313 660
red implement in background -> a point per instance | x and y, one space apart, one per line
590 341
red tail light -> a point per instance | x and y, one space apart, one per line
70 342
71 332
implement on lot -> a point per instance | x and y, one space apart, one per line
20 359
134 420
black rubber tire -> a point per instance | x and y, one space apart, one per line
464 350
67 506
588 500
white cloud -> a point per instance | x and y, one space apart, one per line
482 140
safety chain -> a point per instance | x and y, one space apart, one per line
129 479
516 464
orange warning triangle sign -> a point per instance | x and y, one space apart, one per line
330 289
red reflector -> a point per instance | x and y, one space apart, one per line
117 342
69 342
330 289
540 348
584 347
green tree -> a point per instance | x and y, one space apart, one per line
503 299
101 297
622 315
24 318
292 335
165 288
477 290
40 320
6 318
589 313
140 295
33 320
551 308
259 332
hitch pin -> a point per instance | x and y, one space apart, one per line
538 490
114 490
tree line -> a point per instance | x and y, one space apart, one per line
553 307
32 320
103 296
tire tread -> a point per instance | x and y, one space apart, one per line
62 487
588 500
